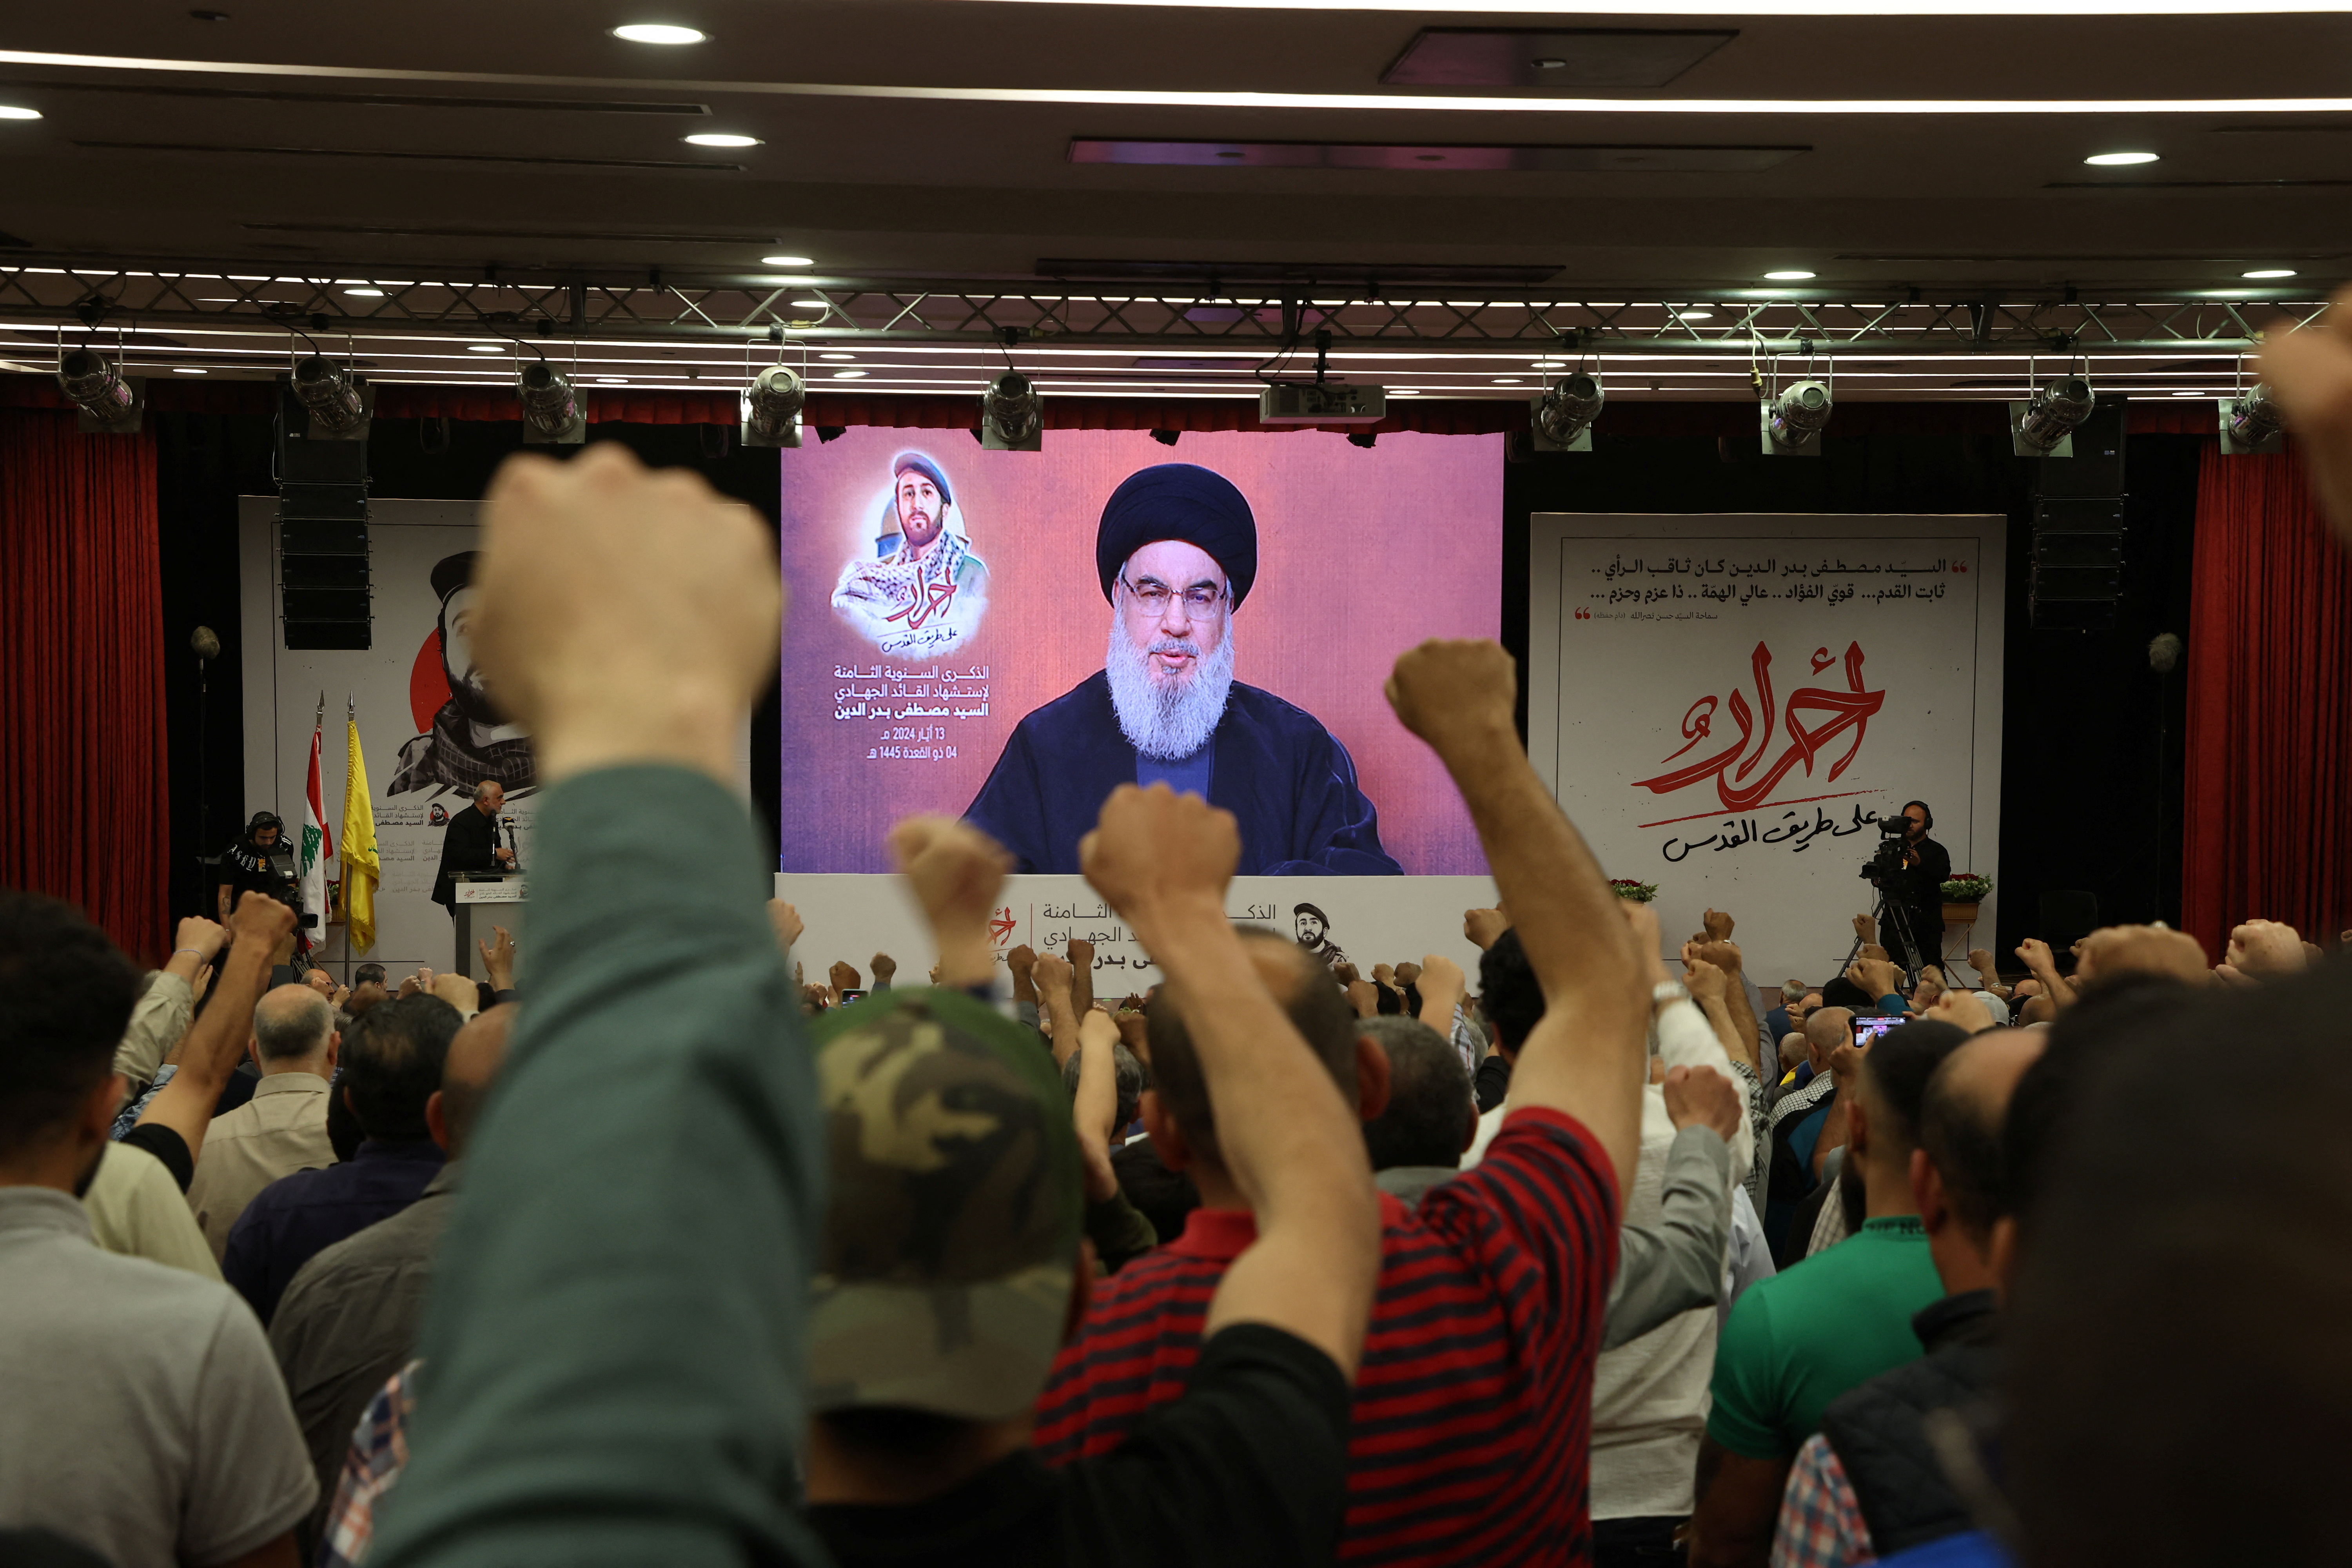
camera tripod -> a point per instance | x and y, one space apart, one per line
1900 940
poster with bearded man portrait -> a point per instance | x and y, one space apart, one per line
1223 624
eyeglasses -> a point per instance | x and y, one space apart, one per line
1151 596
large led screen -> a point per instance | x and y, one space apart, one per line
1008 635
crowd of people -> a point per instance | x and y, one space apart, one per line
1604 1253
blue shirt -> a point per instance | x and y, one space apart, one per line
296 1216
1185 775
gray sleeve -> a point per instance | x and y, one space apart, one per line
1766 1044
251 1480
157 1021
1664 1270
1028 1012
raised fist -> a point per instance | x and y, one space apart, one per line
1717 924
1484 927
261 920
1153 848
1451 692
1705 981
955 869
787 922
1052 974
842 976
886 969
1702 1097
2260 949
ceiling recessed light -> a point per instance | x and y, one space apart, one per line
848 375
2270 272
786 261
808 304
2119 160
658 32
721 139
190 369
486 348
1788 275
17 112
837 356
365 293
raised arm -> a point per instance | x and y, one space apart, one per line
1058 997
213 1046
1292 1146
955 872
1586 1057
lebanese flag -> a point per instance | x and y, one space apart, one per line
316 846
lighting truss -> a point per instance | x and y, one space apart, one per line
253 303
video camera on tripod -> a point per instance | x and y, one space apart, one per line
1885 862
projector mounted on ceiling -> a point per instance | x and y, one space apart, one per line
1297 402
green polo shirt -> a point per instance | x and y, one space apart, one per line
1799 1340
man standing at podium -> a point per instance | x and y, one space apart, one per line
472 842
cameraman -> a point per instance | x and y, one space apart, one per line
1919 887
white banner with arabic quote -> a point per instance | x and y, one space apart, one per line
1726 705
1366 920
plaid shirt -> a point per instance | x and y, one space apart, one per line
1820 1519
379 1452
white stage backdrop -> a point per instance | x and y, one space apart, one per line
1371 920
1725 705
400 689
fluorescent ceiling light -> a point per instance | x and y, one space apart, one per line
2270 272
720 139
17 112
486 348
612 381
2120 160
808 304
658 32
1695 315
365 293
1481 104
1792 275
848 375
190 369
786 261
837 356
1508 381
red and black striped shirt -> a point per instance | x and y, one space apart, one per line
1473 1418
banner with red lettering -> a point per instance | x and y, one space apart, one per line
1727 706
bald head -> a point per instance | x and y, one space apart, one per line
1792 1049
476 1052
293 1028
1826 1030
1961 1120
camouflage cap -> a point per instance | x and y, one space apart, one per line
951 1229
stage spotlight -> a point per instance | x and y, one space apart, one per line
551 415
1166 437
109 405
1793 420
771 409
1363 438
339 403
2044 426
1560 417
2250 424
1011 415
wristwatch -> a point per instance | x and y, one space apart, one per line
1668 991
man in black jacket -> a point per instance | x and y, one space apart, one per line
1926 867
473 842
1869 1482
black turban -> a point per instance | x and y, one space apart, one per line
452 573
1178 501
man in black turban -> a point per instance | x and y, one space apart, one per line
1177 554
470 740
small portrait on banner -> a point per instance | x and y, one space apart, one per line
924 590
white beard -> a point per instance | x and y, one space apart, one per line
1166 723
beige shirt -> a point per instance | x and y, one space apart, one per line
135 1208
281 1129
157 1021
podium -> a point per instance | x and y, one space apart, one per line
486 900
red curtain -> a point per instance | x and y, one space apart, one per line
2269 761
82 787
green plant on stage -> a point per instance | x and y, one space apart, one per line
1636 892
1968 888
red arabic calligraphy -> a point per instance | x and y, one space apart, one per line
930 599
1847 710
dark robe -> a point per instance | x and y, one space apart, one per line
466 847
1290 784
1922 896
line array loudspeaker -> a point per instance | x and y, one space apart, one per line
325 590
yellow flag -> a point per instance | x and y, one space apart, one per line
361 866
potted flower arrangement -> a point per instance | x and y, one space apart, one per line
1626 888
1962 894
